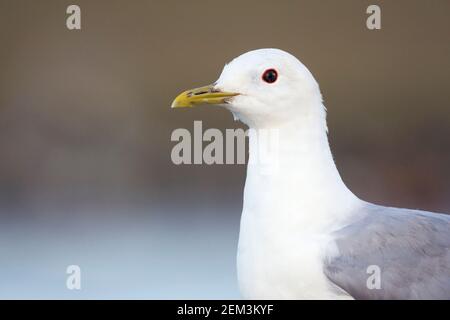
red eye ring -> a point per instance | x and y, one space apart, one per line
270 76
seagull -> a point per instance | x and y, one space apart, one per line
303 233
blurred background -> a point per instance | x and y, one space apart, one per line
86 176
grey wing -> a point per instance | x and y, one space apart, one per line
409 249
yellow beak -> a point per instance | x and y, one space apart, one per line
203 95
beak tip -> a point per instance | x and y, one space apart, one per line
181 101
179 104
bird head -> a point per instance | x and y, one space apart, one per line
262 88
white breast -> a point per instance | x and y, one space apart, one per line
278 259
288 217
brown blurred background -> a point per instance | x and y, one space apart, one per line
85 118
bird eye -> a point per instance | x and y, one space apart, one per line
270 75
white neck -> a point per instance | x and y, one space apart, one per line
302 184
292 205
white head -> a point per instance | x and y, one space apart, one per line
263 88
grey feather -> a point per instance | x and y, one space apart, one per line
411 248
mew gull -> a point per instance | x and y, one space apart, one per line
303 233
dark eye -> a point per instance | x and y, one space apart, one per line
270 75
